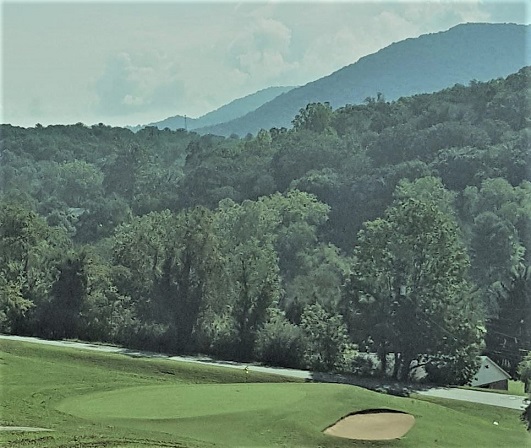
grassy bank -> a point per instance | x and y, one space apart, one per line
102 400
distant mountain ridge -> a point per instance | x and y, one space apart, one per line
241 106
228 112
431 62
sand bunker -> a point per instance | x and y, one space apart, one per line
372 424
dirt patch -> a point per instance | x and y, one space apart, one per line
372 424
23 429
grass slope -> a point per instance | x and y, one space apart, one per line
92 399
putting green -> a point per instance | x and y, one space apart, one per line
181 401
237 414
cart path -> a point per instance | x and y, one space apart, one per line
24 429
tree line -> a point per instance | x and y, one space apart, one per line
399 229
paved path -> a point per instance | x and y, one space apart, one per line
493 399
293 373
475 396
23 429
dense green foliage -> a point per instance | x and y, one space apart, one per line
524 371
400 228
416 301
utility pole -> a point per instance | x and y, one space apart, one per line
185 124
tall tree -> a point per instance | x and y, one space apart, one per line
255 280
328 344
249 232
29 250
171 269
496 216
13 306
62 314
508 336
125 170
314 117
192 274
409 295
430 189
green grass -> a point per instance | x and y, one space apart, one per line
100 400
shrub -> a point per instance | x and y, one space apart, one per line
280 343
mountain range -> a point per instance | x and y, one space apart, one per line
428 63
228 112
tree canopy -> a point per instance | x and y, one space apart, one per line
395 228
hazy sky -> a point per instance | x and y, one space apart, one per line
136 62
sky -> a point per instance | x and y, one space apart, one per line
125 63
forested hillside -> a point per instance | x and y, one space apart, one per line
397 228
425 64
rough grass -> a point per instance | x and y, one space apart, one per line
102 400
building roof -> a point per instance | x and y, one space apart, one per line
489 372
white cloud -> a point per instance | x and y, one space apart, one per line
262 50
140 81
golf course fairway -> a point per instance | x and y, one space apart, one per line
90 399
247 414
